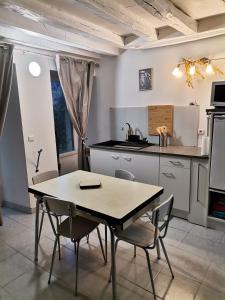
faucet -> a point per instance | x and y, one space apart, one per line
137 130
129 130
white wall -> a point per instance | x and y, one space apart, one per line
36 113
103 97
166 88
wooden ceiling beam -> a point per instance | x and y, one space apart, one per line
26 30
165 11
42 11
121 15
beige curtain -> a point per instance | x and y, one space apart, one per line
6 71
76 78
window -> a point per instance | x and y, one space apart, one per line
63 125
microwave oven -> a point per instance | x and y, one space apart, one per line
218 94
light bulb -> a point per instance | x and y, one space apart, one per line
34 69
209 69
192 70
177 72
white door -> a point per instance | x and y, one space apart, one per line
176 181
104 162
144 167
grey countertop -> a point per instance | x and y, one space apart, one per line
185 151
175 150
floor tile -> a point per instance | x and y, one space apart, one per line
200 247
207 233
197 255
5 295
25 219
186 264
29 285
180 224
175 289
207 293
12 267
10 229
174 236
219 254
215 277
5 251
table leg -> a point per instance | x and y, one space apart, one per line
106 247
36 229
113 262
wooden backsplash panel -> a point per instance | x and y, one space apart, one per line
160 115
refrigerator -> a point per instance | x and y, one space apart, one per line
217 167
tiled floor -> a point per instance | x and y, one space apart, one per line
197 255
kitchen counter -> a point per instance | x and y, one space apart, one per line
175 150
184 151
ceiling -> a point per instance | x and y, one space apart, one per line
109 27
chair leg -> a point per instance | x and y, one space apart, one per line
150 272
106 248
100 241
158 249
59 248
76 265
53 258
166 256
135 251
87 238
41 225
110 275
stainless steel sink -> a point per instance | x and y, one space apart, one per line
128 147
124 145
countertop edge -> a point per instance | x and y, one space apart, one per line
145 151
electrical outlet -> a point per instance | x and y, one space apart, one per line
30 138
201 131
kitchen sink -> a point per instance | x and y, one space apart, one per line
124 145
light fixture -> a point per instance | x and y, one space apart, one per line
177 72
194 69
209 69
34 69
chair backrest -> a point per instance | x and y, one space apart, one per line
124 174
161 215
45 176
58 208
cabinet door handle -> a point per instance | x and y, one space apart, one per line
115 156
127 158
199 165
176 163
169 175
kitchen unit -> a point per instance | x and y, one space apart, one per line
217 170
181 171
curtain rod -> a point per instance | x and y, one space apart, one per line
5 45
80 58
53 54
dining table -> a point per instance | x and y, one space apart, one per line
115 202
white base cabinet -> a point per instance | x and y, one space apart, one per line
185 178
144 167
175 178
104 162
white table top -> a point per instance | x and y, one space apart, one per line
115 198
